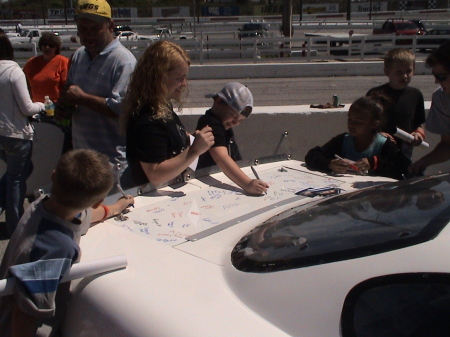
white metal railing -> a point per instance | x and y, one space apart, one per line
308 48
25 49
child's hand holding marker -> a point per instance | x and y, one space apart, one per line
341 165
350 163
125 196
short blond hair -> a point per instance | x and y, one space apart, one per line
399 55
81 179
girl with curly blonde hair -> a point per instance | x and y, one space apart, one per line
158 146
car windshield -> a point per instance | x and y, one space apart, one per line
352 225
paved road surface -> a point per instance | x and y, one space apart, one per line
302 91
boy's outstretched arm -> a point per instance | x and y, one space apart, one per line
233 171
105 211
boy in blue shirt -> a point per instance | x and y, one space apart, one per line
45 243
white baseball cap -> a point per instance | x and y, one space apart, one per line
237 96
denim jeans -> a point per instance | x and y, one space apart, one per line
16 153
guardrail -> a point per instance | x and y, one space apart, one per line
25 50
308 48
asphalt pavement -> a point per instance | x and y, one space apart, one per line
302 91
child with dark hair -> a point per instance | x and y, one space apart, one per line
363 149
46 243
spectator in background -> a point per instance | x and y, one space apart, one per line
97 83
19 28
158 146
16 134
438 119
47 73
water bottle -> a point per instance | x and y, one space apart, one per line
49 107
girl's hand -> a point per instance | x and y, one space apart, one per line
338 166
204 139
388 135
363 165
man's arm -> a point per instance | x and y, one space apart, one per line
439 154
75 95
233 171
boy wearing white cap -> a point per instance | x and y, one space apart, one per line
231 106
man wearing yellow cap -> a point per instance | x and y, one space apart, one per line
97 82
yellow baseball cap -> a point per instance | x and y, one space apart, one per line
96 10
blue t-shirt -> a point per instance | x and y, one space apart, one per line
374 149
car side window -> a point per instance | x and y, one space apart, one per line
416 304
390 27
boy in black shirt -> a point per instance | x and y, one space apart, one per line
403 105
231 106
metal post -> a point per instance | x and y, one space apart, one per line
349 10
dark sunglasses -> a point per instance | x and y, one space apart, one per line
50 45
440 78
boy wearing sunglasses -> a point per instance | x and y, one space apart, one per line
438 120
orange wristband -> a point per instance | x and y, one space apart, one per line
106 209
375 163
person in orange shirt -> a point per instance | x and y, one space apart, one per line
47 73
